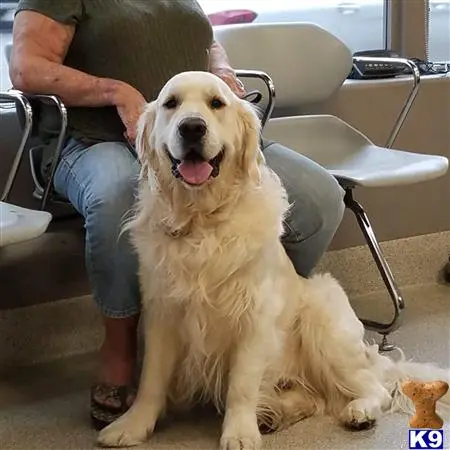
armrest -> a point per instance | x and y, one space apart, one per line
270 90
414 70
18 98
24 99
55 100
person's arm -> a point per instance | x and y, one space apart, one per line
217 56
219 65
39 48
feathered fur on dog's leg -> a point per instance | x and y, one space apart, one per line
249 361
340 364
160 354
240 428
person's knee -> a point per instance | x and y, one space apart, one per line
111 261
110 198
329 204
316 198
113 197
109 207
317 208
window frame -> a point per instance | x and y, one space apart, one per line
408 23
407 28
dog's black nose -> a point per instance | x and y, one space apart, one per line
192 129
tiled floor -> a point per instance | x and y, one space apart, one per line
46 407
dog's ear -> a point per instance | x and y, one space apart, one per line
251 131
144 145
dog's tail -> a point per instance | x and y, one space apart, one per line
397 372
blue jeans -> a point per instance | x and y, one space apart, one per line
101 180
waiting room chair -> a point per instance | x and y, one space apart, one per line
26 104
307 64
19 224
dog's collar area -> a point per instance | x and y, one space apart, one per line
215 162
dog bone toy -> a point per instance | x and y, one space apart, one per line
424 395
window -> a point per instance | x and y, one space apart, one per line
359 23
439 30
4 71
412 28
6 20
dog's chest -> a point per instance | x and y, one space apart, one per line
207 341
203 265
208 280
204 329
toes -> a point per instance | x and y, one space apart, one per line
360 415
366 424
118 435
240 443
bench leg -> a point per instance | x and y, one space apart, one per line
384 269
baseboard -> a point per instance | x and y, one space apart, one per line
48 331
414 260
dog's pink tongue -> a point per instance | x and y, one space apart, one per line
195 172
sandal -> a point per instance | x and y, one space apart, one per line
115 402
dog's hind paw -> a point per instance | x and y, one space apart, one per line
123 433
360 414
242 443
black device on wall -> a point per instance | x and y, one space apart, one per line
363 70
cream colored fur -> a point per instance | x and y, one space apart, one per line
227 318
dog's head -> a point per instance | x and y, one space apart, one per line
197 131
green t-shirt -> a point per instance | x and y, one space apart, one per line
141 42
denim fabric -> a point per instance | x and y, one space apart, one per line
317 206
100 181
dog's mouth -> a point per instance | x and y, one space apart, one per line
194 169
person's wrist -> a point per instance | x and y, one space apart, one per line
114 92
223 70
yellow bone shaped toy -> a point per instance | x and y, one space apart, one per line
424 395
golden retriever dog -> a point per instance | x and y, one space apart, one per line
227 319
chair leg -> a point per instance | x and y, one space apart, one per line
384 269
57 153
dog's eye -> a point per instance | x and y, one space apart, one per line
216 103
172 103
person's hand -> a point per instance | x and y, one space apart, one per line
130 104
227 74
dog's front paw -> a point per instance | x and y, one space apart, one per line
360 414
124 432
241 434
240 443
